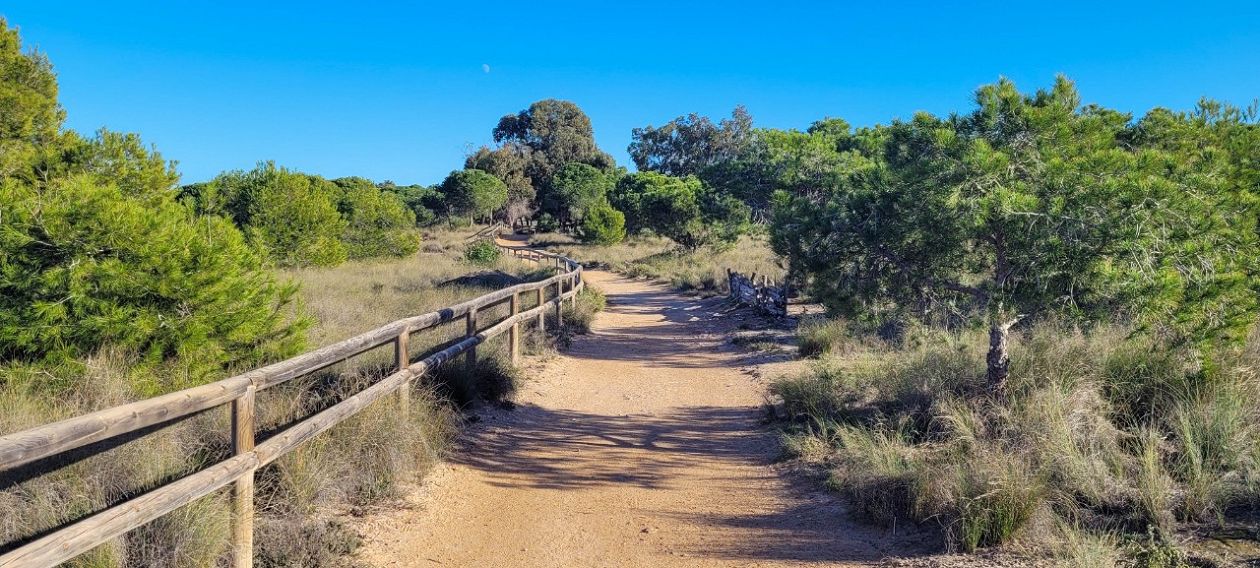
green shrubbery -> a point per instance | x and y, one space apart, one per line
482 252
603 225
86 267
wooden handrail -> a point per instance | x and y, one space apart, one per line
24 447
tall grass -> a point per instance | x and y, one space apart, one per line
362 463
1123 439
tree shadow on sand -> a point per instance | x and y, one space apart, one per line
539 448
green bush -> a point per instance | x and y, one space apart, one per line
603 225
546 223
86 266
378 223
482 252
291 215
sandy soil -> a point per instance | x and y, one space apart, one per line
641 445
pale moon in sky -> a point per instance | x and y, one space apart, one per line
485 67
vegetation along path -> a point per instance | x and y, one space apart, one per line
641 445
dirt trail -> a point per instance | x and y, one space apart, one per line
641 445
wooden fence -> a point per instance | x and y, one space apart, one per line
766 297
140 418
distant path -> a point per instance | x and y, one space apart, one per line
641 445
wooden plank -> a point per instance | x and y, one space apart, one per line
402 360
50 439
514 339
73 540
470 361
243 491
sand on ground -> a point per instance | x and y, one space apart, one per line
641 445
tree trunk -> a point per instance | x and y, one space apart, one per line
999 358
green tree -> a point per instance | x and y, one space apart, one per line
576 189
603 225
473 194
85 265
30 115
1026 206
424 201
122 159
510 163
547 135
293 216
682 209
688 145
378 223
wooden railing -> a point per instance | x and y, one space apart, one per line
766 297
52 440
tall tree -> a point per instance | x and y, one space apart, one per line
688 145
30 114
575 189
556 133
1025 206
511 164
472 194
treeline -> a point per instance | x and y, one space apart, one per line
305 220
1028 207
547 173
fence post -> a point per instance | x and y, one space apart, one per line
514 336
559 303
542 314
401 360
470 362
243 490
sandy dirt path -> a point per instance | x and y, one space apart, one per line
641 445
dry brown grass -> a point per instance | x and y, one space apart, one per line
1127 445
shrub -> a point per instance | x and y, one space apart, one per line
603 226
546 223
482 252
494 379
579 315
1102 427
291 215
377 223
819 337
86 266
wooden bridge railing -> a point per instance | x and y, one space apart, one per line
52 440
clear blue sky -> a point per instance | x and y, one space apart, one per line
400 91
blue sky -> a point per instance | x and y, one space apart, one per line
401 91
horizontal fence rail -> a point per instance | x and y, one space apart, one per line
766 297
55 439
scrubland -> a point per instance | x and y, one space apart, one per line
1108 449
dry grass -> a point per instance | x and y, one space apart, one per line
1126 441
361 463
659 259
